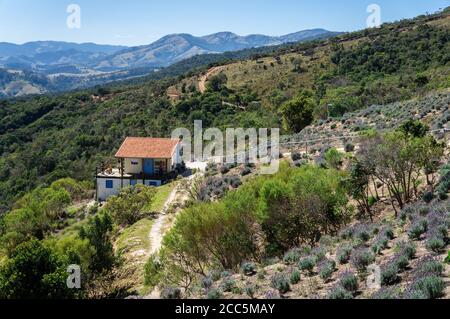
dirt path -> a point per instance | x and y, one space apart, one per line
156 233
204 78
162 225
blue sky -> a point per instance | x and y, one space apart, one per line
137 22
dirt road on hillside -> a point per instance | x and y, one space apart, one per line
204 78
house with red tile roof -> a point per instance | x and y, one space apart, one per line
147 161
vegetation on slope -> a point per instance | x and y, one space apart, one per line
46 138
300 215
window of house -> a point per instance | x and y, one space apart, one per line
109 184
134 162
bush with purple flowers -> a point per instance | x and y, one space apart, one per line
343 254
361 258
326 269
417 229
281 283
340 293
307 264
432 287
389 275
349 281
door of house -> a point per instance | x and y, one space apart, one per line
149 167
161 167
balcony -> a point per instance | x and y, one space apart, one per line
116 173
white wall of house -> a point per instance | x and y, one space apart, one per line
133 166
104 193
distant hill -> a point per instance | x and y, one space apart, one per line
61 66
176 47
39 47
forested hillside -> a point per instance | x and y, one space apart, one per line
49 137
311 230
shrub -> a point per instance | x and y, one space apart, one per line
401 262
347 233
272 294
435 244
298 204
428 197
447 259
152 271
407 249
250 291
280 283
389 275
207 282
307 264
431 286
389 233
215 275
361 258
386 293
98 231
228 284
34 271
334 158
326 269
171 293
343 254
319 253
340 293
214 294
432 267
416 295
417 229
380 245
424 211
249 269
442 196
441 231
130 205
363 234
349 281
295 277
292 256
372 201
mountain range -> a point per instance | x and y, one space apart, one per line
52 66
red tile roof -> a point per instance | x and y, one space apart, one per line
139 147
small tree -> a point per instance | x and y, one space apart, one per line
398 160
358 186
130 205
217 82
414 128
334 158
298 112
98 232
